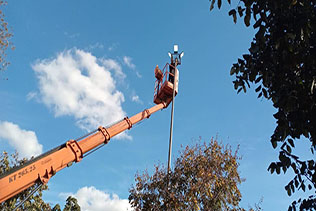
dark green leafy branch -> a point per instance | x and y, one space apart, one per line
281 65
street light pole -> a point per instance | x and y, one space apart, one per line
175 60
172 111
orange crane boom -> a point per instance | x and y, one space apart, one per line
40 169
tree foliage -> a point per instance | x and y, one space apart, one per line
35 201
281 63
5 36
204 177
71 204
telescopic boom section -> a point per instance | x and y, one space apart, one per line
43 167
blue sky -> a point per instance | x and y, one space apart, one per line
45 99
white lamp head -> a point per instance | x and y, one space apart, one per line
175 48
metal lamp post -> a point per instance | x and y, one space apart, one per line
175 61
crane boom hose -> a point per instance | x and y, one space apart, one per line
40 169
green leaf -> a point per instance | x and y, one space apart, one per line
303 168
260 33
248 84
257 24
272 167
303 187
240 11
291 142
282 158
288 189
258 79
229 1
246 57
311 164
233 13
232 70
219 3
274 144
272 170
305 133
292 186
296 183
244 88
278 169
258 88
247 20
284 169
288 148
235 84
254 14
235 18
212 5
265 94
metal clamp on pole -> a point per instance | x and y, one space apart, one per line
130 125
147 112
105 133
74 146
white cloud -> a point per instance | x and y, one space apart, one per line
128 61
96 45
31 95
113 46
76 83
111 64
138 74
92 199
135 98
71 36
24 141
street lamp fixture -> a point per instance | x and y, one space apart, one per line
175 56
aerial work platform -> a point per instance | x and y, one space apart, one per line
166 78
